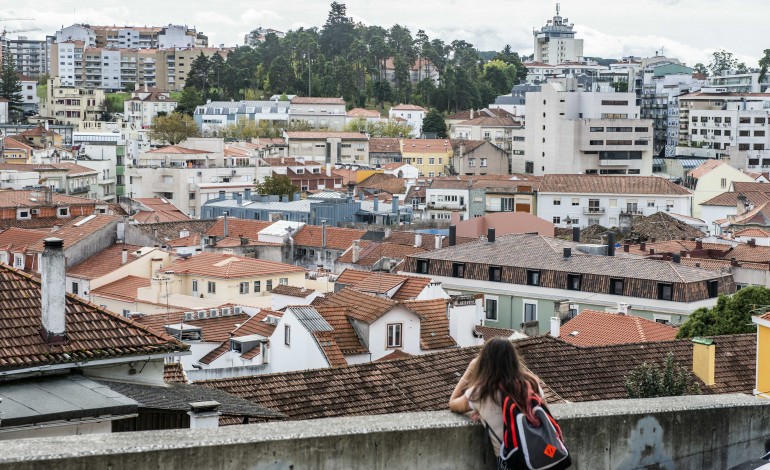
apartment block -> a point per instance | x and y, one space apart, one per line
555 42
30 56
320 113
69 104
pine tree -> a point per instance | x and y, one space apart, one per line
10 85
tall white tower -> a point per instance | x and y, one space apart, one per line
555 42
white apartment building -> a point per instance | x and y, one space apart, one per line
445 196
320 113
572 131
214 116
555 43
584 200
76 32
30 56
144 106
189 174
412 114
716 123
329 147
734 82
67 104
30 101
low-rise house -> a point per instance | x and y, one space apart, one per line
517 193
82 238
445 196
15 151
375 256
392 286
215 116
154 210
528 278
478 157
14 246
401 170
497 130
90 272
711 179
145 105
382 186
411 114
331 147
384 150
594 328
316 246
44 208
43 328
584 200
242 237
306 176
366 115
430 156
416 198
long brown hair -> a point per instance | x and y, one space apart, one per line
500 371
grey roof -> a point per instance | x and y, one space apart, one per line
73 397
538 252
311 319
179 396
224 106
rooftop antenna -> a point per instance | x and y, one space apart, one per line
558 7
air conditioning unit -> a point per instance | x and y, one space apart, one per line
226 311
35 211
237 310
189 316
201 314
214 312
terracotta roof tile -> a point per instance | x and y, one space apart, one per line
434 323
596 184
384 183
160 210
237 228
77 230
488 332
336 238
228 266
440 146
25 198
104 262
92 333
371 253
705 168
343 333
292 291
408 107
323 135
213 330
594 328
123 289
364 113
752 232
328 343
384 145
173 373
394 356
165 231
18 239
367 281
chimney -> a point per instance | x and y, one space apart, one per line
376 203
753 242
699 244
417 239
224 229
156 265
623 308
704 359
439 241
323 234
471 113
626 247
676 258
491 235
238 199
204 415
124 256
53 291
568 252
576 234
610 243
329 170
555 327
356 250
643 246
247 195
221 195
394 206
733 261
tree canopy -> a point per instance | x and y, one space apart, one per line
10 84
364 64
433 123
731 315
173 128
276 185
652 381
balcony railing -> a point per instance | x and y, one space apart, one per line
594 210
446 205
80 189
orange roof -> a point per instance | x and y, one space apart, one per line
176 149
408 107
214 329
228 266
73 168
104 262
434 323
18 239
160 210
594 328
752 232
123 289
367 281
373 252
29 198
323 135
76 230
361 112
426 146
336 238
705 168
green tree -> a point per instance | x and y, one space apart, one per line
199 76
701 69
173 128
721 61
380 129
338 32
620 86
764 63
433 123
276 185
731 315
650 381
500 76
10 85
190 99
280 77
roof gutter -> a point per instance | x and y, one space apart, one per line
98 362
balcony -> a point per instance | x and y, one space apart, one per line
594 210
446 206
80 189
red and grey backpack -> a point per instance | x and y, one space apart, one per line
525 445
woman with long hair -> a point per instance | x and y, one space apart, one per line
496 372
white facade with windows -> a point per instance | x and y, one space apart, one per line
441 203
572 131
587 209
412 114
555 42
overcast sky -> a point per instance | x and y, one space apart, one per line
687 29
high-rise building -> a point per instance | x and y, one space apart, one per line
555 43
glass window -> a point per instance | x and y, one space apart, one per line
269 285
244 287
394 335
530 312
287 335
458 270
573 281
212 287
495 273
665 291
491 309
616 286
257 286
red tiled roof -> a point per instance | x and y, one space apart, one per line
343 333
92 333
441 146
384 182
252 326
38 131
16 239
598 184
434 323
323 135
292 291
705 168
408 107
73 169
366 113
488 332
228 266
76 230
594 328
123 289
394 356
330 348
373 252
215 329
367 281
336 238
752 232
30 198
384 145
160 210
173 373
104 262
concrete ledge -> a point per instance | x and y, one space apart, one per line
682 433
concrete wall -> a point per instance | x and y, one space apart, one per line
667 433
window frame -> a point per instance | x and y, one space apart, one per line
570 283
524 304
613 285
496 303
243 288
287 335
211 287
394 336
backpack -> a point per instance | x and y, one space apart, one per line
531 447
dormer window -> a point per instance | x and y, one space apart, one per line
22 214
63 212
